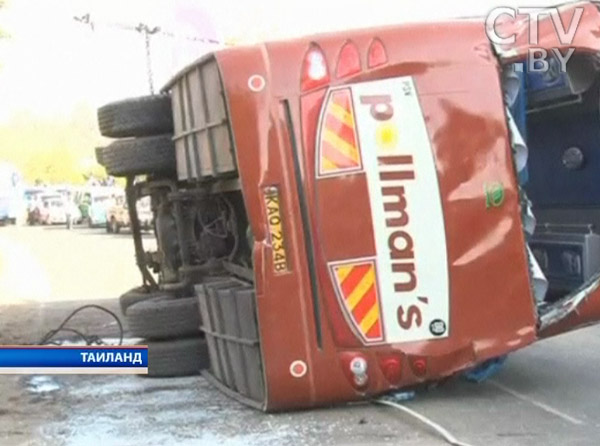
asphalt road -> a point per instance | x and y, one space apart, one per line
546 395
50 263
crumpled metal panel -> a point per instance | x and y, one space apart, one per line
582 307
567 307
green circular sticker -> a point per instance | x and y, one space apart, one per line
494 195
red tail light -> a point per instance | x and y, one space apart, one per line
314 69
377 54
392 368
348 61
419 366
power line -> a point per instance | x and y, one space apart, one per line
147 31
86 19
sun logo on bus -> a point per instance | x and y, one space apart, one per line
387 136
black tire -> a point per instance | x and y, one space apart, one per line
114 226
109 228
143 116
164 318
180 357
137 295
139 156
99 151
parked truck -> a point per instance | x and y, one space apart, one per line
353 213
117 214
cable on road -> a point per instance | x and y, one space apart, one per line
450 439
89 339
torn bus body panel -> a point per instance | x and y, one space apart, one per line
387 190
566 250
579 310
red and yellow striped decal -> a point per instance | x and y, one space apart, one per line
356 284
338 144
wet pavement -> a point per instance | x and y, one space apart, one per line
545 395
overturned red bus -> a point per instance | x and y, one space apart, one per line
378 190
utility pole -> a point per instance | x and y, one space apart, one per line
147 32
142 28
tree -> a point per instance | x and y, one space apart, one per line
53 149
3 33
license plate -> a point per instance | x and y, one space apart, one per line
276 234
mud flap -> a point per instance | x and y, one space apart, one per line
579 310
